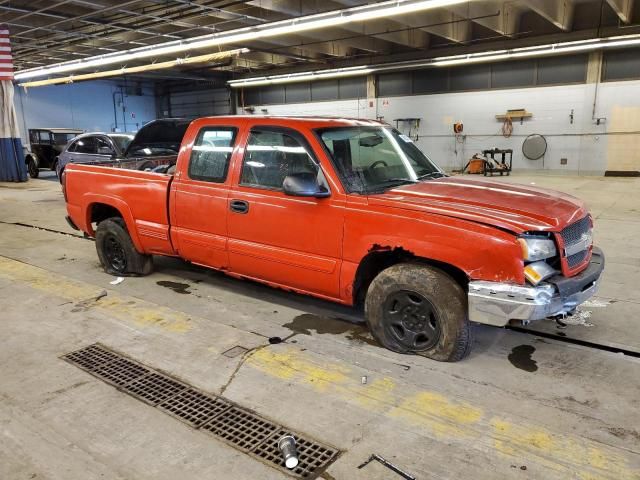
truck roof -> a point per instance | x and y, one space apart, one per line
299 120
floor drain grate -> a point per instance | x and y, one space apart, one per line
154 388
194 407
241 428
237 426
121 371
312 456
91 357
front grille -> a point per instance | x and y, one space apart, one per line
572 235
577 258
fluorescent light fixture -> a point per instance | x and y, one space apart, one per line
540 50
490 56
212 57
300 77
334 18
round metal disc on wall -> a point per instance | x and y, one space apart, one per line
534 146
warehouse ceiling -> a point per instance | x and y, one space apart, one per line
46 32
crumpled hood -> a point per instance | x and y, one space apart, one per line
517 208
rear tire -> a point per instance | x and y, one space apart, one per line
116 251
33 168
415 308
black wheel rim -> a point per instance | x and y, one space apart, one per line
115 254
412 320
33 170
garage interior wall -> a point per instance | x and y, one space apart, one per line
85 105
192 102
561 98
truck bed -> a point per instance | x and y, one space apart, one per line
133 163
140 198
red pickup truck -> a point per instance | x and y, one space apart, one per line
349 211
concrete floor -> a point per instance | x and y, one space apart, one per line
575 416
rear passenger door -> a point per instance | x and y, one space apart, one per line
199 202
278 238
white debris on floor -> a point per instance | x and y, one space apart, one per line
580 317
593 303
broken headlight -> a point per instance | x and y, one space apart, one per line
537 248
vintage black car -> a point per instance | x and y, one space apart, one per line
46 145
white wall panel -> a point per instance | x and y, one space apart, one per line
583 143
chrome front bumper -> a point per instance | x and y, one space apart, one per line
495 303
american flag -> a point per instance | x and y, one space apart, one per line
6 60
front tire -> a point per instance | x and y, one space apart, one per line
116 251
415 308
33 168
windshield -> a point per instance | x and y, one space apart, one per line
374 159
121 141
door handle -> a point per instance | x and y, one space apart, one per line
239 206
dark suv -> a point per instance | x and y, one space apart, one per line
46 145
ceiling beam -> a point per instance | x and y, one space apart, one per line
114 25
623 9
293 8
558 12
392 32
501 17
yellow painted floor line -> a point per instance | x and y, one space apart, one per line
122 307
451 420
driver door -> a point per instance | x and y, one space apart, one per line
277 238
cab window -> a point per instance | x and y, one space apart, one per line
44 138
271 155
211 154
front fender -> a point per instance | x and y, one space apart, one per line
480 251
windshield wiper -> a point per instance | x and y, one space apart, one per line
430 175
396 182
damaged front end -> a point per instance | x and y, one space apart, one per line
552 288
496 303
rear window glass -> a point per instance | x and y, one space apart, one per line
211 154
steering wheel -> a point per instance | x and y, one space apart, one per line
376 163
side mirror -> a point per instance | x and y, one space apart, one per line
304 185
